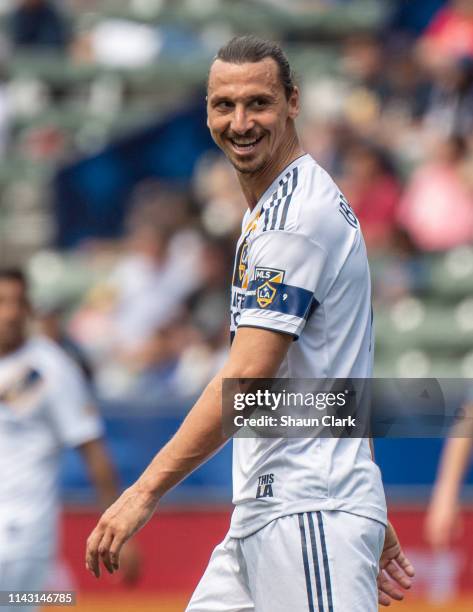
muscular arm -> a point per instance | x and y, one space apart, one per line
255 353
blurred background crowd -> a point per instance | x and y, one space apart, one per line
126 216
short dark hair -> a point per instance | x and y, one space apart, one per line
15 275
242 49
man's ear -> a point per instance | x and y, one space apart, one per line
294 103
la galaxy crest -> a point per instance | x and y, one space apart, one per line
267 290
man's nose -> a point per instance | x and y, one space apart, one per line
241 121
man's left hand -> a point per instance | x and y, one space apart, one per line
395 570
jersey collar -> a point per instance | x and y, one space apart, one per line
272 188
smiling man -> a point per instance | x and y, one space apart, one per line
309 530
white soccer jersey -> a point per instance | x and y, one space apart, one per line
44 406
301 268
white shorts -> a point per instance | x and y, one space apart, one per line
325 561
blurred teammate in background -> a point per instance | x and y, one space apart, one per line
44 407
49 318
309 530
443 523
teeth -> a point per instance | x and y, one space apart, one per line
245 144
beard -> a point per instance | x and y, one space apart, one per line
250 167
254 164
246 169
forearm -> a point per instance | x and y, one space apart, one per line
199 437
201 433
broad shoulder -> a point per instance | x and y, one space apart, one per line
308 202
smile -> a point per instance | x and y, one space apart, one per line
245 146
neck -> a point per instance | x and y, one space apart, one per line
255 184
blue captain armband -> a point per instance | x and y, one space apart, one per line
272 294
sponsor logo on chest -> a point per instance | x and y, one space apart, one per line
265 486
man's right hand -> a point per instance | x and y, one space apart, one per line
118 523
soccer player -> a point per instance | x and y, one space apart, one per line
44 407
300 307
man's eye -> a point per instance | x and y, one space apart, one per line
224 105
260 103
